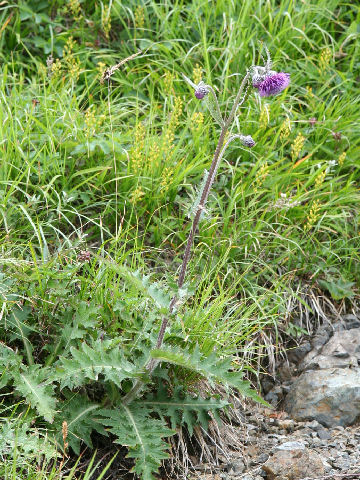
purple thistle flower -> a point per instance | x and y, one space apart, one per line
273 84
200 92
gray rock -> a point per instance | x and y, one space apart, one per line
267 383
291 446
323 434
262 458
341 351
275 395
295 355
321 336
235 467
351 321
330 396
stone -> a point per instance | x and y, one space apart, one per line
323 434
330 396
287 424
341 351
295 355
352 321
267 383
314 425
285 372
294 465
320 337
262 458
235 467
275 395
291 446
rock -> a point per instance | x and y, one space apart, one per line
275 395
351 321
330 396
287 424
262 458
267 383
235 467
295 355
285 372
323 434
314 425
341 351
291 446
293 465
321 336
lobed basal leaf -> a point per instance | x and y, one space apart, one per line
88 363
135 428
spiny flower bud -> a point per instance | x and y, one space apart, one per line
200 92
247 141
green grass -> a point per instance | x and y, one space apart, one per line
119 182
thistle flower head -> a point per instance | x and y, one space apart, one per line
267 81
273 84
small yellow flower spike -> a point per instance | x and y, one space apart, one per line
313 216
342 158
261 175
139 17
297 146
166 178
324 59
106 20
56 68
74 8
136 195
264 118
319 180
197 121
285 129
168 80
197 74
137 153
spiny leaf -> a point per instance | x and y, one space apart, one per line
9 363
79 413
142 283
33 383
88 363
143 435
182 409
153 290
213 105
214 369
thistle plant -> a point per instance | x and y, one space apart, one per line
268 83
